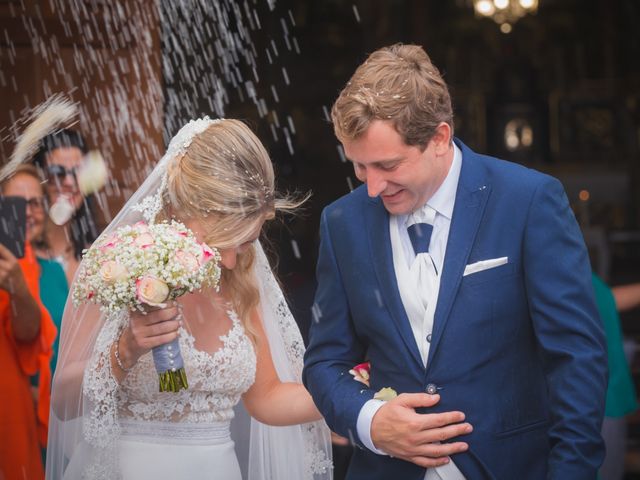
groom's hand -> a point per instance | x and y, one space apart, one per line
399 431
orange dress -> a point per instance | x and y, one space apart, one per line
22 428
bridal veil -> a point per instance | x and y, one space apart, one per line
84 415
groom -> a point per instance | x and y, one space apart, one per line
464 280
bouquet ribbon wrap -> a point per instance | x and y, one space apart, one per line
170 367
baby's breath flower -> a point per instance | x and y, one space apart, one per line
166 251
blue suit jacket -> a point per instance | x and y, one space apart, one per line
518 348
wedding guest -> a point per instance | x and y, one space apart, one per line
627 296
53 282
26 338
71 224
621 394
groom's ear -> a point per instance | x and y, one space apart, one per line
442 138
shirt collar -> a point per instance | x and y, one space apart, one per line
442 201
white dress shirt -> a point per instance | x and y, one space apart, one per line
421 321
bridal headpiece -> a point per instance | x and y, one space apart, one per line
150 206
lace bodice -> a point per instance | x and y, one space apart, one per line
216 382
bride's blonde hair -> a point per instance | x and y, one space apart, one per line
226 178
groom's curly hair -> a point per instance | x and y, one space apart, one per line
399 84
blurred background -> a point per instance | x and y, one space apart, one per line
551 84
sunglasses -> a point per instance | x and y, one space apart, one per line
36 203
60 172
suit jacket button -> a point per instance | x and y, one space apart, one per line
432 389
429 338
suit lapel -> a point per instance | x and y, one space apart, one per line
471 199
379 237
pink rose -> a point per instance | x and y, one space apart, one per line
109 242
361 372
187 260
144 240
207 254
141 226
152 291
179 230
112 271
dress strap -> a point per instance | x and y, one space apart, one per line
233 316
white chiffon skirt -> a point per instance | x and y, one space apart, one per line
173 451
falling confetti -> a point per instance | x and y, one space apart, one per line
350 184
316 312
352 439
291 125
141 67
356 13
325 110
379 298
296 249
343 157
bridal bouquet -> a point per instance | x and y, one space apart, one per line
141 266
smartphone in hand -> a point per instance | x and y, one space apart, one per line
13 224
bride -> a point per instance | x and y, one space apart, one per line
108 419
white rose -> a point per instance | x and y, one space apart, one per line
385 394
187 261
112 271
152 291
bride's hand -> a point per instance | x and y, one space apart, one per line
149 330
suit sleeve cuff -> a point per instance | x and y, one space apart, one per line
363 425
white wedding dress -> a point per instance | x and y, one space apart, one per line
184 435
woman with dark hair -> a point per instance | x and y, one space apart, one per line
71 226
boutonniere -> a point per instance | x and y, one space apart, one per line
385 394
361 373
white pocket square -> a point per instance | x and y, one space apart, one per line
484 265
